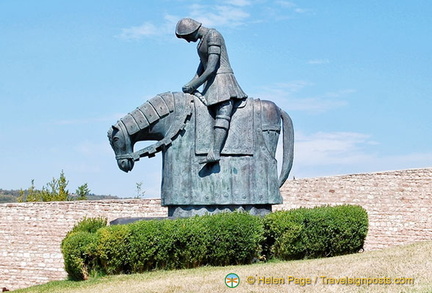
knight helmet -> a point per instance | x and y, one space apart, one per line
186 26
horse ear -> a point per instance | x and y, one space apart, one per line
112 130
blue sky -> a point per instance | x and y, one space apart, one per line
355 76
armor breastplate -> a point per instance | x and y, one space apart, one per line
213 37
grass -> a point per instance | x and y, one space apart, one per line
412 262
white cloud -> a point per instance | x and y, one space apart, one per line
238 2
228 13
286 4
286 96
219 15
137 32
292 86
283 91
318 61
340 153
326 153
332 148
231 14
301 10
338 93
292 6
148 29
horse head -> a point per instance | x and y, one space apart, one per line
159 119
122 146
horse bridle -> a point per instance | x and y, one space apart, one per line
132 156
151 150
147 151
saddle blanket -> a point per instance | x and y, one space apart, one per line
240 139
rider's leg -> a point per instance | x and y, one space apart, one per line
223 117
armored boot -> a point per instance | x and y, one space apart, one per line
219 136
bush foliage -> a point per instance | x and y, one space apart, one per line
79 254
56 190
79 248
317 232
90 225
92 248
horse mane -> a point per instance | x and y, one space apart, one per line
158 107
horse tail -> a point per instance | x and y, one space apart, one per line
288 147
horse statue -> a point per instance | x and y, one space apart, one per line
245 178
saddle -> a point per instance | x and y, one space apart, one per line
240 139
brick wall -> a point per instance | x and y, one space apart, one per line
399 204
31 233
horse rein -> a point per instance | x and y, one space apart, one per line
132 156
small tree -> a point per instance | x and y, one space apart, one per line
63 193
82 192
56 189
31 194
53 191
139 192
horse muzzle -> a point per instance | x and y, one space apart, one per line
125 165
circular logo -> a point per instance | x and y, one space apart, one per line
232 280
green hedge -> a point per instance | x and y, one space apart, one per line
317 232
79 248
223 239
113 249
90 225
92 248
79 254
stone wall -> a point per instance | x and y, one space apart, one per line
399 204
31 234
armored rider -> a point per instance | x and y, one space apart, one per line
220 87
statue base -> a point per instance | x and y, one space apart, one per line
184 211
124 221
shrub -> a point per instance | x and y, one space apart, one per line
113 249
316 232
148 245
79 248
82 192
91 248
90 225
79 253
224 239
56 190
192 239
235 238
53 191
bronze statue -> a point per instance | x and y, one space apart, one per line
241 168
215 74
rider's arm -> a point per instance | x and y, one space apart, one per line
214 51
200 69
188 88
212 66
